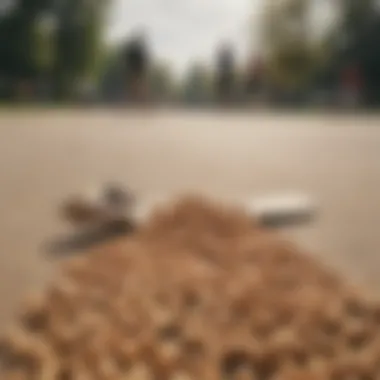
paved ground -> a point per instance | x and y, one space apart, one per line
45 156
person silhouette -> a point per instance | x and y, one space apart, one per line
225 72
137 64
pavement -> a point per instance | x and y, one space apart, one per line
46 156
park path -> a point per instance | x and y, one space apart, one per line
46 156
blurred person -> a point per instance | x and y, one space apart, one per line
351 85
225 78
137 66
254 80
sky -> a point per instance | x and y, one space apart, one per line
184 31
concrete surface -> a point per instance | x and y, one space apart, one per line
45 156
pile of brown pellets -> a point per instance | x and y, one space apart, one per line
197 293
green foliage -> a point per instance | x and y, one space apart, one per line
23 50
198 84
79 44
355 14
291 56
361 29
161 81
52 39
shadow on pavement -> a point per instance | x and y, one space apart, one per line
77 243
285 221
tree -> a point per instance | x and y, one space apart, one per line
162 82
359 32
353 43
78 43
355 15
112 75
21 42
197 87
290 54
59 40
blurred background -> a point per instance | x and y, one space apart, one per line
243 53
